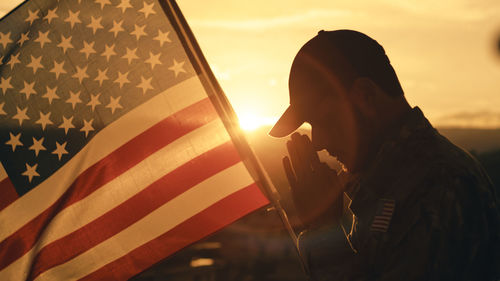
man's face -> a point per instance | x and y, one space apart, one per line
335 128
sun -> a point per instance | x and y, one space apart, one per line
251 122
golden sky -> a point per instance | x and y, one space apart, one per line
443 51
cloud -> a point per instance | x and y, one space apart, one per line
272 22
454 10
477 119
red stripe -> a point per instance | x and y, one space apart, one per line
9 193
378 229
120 160
132 210
381 220
379 225
202 224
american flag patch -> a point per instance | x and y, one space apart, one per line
383 216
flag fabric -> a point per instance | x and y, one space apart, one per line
382 219
115 152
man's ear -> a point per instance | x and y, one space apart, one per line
366 94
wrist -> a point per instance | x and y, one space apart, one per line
330 217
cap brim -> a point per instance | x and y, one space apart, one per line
287 124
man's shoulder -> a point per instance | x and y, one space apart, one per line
448 165
451 181
431 170
432 156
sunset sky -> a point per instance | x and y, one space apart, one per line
443 51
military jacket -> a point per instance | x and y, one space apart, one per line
424 210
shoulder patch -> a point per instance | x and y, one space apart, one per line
383 216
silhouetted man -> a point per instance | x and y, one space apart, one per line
409 204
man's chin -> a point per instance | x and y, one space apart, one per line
343 167
335 155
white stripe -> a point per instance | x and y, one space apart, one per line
110 138
155 224
3 173
122 188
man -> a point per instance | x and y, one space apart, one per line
418 207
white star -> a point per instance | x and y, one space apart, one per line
14 59
87 127
87 49
28 89
124 5
95 24
145 85
21 115
73 18
35 63
153 60
114 104
94 101
31 172
122 79
44 120
74 99
103 2
24 38
51 14
117 27
147 10
101 76
110 50
138 31
32 16
51 94
5 39
177 67
67 124
81 73
2 112
130 55
58 68
5 84
60 150
14 141
43 38
65 43
37 146
162 37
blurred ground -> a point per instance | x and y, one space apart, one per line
257 247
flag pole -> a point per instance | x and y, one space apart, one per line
224 108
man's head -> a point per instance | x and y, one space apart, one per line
342 83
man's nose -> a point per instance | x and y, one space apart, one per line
317 139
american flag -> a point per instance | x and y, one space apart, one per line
114 153
383 216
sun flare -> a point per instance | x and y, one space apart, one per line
251 122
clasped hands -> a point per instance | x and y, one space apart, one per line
315 187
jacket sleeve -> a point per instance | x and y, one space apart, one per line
439 236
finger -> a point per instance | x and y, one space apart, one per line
307 149
304 149
297 163
290 175
312 155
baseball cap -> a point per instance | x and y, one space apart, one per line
326 63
